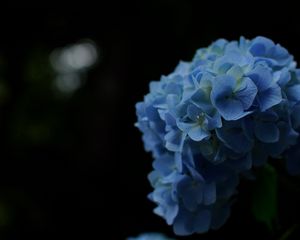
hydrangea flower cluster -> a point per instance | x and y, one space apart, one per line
150 236
231 108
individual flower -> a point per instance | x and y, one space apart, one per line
233 97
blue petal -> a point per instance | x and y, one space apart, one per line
281 55
247 94
140 109
201 100
170 119
171 178
260 46
197 133
150 236
195 174
266 132
159 102
155 86
280 52
220 94
236 57
180 110
243 43
282 77
187 159
231 109
169 213
185 126
193 112
187 222
164 164
172 100
258 49
152 113
262 77
214 121
219 45
178 161
151 139
293 93
168 208
269 97
153 178
223 83
174 140
206 81
236 72
174 89
221 65
182 68
223 99
179 226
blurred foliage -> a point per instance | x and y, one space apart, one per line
264 196
37 112
290 232
5 215
4 89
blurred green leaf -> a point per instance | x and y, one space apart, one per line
5 215
264 198
289 232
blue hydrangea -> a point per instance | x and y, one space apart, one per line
150 236
231 108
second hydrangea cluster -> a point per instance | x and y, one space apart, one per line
150 236
231 108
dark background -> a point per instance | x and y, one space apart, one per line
73 165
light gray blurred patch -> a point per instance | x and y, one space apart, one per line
72 62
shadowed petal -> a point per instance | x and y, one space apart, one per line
266 132
235 139
201 221
293 160
191 192
220 215
209 195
